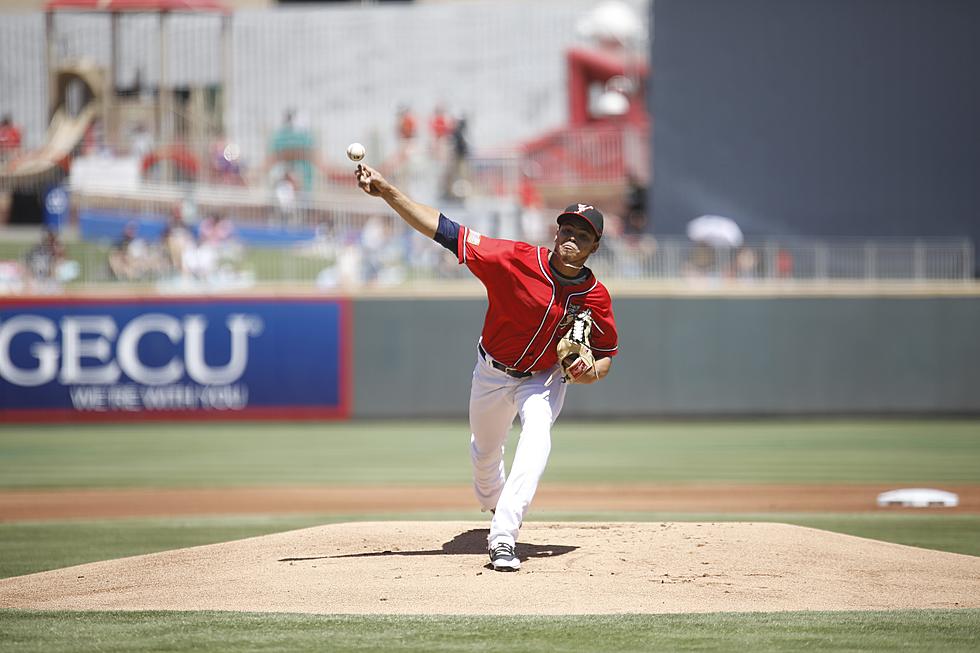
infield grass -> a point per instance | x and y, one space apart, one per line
946 630
256 454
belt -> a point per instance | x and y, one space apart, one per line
509 371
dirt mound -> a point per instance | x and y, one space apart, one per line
569 568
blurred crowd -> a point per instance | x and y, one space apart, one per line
209 252
43 270
436 146
10 139
445 146
192 249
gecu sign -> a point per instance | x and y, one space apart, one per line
92 337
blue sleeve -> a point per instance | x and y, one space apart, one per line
447 234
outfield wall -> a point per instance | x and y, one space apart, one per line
319 357
699 356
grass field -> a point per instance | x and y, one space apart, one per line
229 455
794 631
223 455
265 263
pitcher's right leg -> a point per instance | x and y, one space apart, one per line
492 412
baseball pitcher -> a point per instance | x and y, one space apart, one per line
549 323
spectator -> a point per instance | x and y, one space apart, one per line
141 141
177 240
441 127
746 263
123 263
701 261
406 129
374 241
457 178
784 264
44 260
285 191
292 148
218 233
131 258
200 261
532 220
461 145
215 231
636 208
9 139
407 125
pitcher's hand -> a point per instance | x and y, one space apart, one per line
370 180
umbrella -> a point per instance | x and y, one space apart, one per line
715 230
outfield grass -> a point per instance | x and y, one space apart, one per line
208 455
946 630
28 547
248 454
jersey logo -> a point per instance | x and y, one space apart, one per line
582 208
473 237
569 317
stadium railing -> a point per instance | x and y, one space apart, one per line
345 240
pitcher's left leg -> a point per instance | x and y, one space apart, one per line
538 406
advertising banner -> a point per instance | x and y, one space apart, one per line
64 359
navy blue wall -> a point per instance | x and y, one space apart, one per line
818 117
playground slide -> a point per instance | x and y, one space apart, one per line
34 169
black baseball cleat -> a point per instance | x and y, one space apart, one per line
504 558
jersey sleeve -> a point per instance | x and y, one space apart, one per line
480 253
605 339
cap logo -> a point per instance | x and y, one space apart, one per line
585 207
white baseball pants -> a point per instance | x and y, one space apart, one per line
495 398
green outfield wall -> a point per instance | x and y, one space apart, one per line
699 356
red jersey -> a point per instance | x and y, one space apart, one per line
440 125
528 304
9 137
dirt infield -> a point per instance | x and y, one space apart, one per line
692 498
568 568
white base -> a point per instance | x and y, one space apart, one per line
919 498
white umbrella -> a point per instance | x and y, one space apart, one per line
715 230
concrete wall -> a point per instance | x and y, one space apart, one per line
699 356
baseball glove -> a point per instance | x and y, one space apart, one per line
574 349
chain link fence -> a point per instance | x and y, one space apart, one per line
235 239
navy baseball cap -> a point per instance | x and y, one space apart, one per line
587 212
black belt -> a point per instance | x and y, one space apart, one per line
509 371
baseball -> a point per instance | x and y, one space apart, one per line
355 151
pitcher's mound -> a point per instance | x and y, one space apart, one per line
568 568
